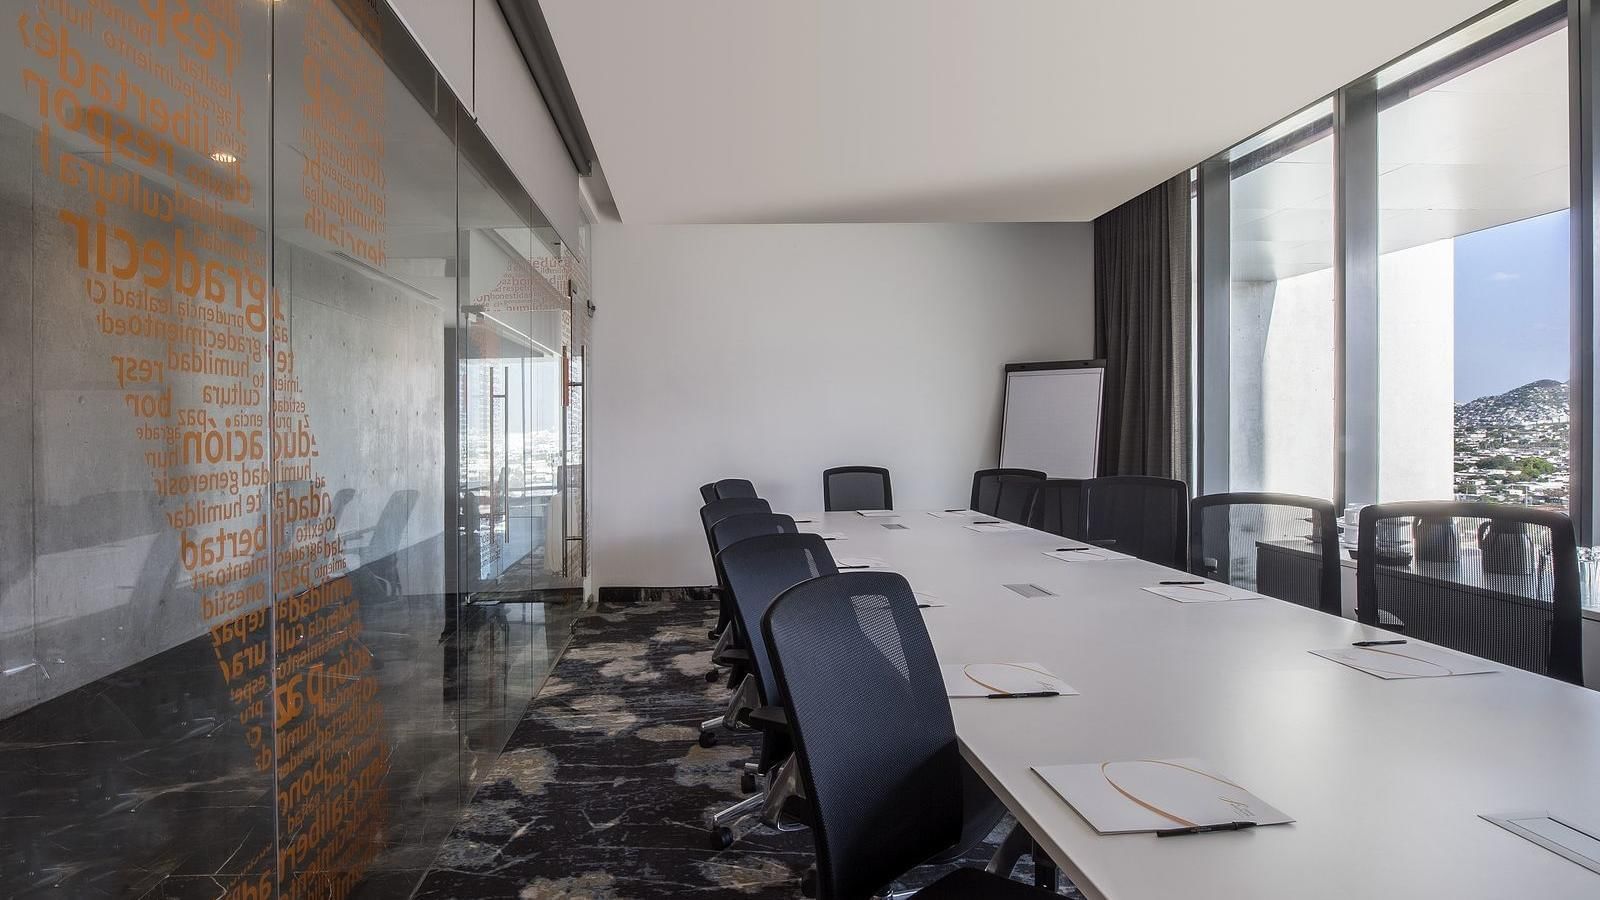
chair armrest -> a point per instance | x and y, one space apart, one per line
732 656
768 718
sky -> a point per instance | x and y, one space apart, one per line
1511 306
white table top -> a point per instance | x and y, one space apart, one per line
1386 779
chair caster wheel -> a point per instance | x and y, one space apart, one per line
721 838
711 677
747 783
808 882
708 739
713 635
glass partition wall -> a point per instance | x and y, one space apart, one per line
290 431
1386 283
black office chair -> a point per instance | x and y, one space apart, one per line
708 492
1489 579
1059 507
1280 545
711 514
1006 493
874 741
734 489
1138 515
758 569
734 529
717 510
849 488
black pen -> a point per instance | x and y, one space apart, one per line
1181 582
1376 643
826 538
1070 549
955 510
1027 694
1204 829
987 522
923 605
804 521
852 567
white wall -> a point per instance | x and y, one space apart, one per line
774 351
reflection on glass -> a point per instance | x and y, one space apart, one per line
234 656
1282 309
1473 278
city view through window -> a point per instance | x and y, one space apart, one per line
1511 361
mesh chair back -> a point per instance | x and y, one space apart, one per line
716 511
1140 515
849 488
1281 545
734 529
758 569
1006 493
735 489
871 725
1496 581
1059 507
708 492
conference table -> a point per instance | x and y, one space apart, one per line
1386 780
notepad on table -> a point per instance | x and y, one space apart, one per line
985 679
877 513
1407 661
1124 797
928 600
858 562
827 535
1210 592
1086 554
953 514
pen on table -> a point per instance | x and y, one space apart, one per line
1375 643
1204 829
804 521
987 522
1024 694
852 567
1164 583
955 510
1069 549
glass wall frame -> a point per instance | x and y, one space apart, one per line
239 652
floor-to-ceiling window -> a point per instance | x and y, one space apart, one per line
1473 297
1400 258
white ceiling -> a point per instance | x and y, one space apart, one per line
1482 149
934 110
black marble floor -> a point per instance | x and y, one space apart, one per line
602 790
156 782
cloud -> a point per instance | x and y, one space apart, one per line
1504 276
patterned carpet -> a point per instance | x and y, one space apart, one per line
603 791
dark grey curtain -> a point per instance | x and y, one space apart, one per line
1141 312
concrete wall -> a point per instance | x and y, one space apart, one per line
1416 373
1282 382
774 352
